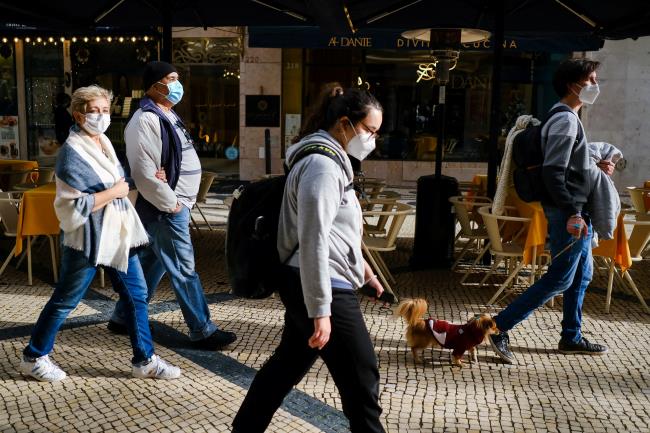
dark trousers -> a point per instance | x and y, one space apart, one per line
349 356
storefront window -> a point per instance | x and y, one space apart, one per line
8 103
43 82
412 128
209 71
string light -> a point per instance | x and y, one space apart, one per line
54 40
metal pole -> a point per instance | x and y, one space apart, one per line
441 129
267 150
495 112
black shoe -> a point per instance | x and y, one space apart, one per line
583 346
499 343
120 329
117 328
216 341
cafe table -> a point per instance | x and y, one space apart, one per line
36 217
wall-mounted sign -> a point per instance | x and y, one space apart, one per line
263 110
312 37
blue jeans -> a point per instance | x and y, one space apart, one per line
76 275
170 250
569 273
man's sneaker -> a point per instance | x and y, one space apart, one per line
500 343
117 328
216 341
42 369
583 346
121 329
157 369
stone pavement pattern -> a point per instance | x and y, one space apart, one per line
544 391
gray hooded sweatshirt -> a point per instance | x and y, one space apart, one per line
320 213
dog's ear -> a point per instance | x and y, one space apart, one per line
487 323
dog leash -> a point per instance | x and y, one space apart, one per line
564 250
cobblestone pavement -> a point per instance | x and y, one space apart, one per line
543 391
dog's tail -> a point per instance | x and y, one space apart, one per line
412 310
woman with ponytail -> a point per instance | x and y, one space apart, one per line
321 214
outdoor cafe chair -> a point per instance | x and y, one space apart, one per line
637 242
9 208
207 177
374 245
509 249
471 228
639 196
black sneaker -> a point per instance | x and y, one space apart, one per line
216 341
117 328
121 329
499 343
583 346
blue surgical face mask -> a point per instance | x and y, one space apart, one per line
175 89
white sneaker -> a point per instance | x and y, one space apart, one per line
42 369
157 369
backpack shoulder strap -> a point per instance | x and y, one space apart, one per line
564 108
311 149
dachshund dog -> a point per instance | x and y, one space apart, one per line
422 333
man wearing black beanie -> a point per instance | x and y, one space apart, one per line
156 139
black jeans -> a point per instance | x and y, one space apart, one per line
349 356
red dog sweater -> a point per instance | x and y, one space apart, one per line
459 338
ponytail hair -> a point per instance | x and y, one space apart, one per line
334 103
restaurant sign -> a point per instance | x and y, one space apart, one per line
312 37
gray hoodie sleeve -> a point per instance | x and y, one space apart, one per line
562 132
319 197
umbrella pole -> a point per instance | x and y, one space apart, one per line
495 114
166 51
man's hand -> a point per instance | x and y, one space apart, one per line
322 331
178 208
120 188
161 175
576 226
606 166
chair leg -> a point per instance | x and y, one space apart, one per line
24 254
512 275
610 285
384 267
55 271
203 215
376 268
7 260
493 269
196 226
102 280
480 256
461 255
635 289
29 260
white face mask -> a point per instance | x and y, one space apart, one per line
361 145
96 123
589 93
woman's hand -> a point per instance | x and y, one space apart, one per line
606 166
371 279
161 175
322 331
120 189
576 226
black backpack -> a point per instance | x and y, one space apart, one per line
254 267
528 158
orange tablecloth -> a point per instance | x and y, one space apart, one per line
17 165
36 215
616 248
